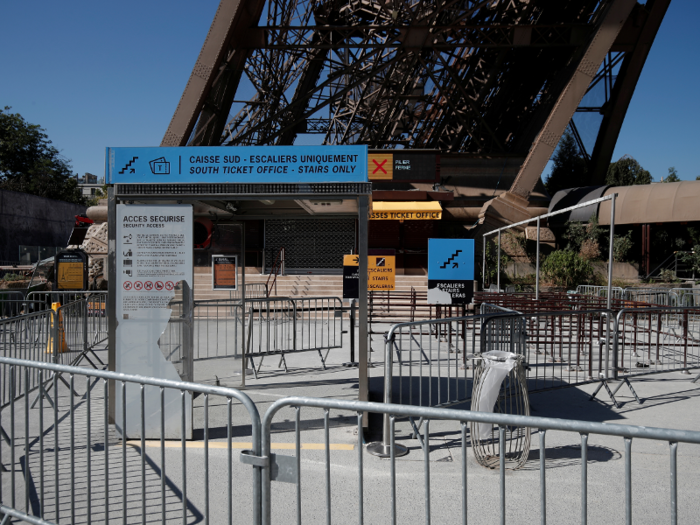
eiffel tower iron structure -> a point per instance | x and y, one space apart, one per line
491 83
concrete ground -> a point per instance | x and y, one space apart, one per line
668 400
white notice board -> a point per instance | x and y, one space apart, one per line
154 257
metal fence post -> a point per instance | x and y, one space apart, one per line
383 448
85 326
537 264
610 254
498 263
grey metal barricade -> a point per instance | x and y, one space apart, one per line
21 516
96 314
30 337
652 340
265 326
12 303
68 463
655 296
599 291
560 349
252 291
505 333
687 297
367 485
218 328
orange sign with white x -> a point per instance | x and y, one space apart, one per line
381 166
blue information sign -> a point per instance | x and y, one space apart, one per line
222 164
450 271
451 259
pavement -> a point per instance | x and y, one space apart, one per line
57 465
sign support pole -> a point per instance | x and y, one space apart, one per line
537 269
244 360
111 295
363 210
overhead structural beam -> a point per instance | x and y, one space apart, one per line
419 37
631 69
218 68
570 98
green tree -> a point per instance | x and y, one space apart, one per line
627 172
30 164
672 175
570 170
567 268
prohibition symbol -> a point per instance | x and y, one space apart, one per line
127 285
159 285
138 285
169 285
148 285
380 166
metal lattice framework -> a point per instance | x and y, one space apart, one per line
469 76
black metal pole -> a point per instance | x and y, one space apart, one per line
353 303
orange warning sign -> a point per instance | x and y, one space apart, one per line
224 272
381 272
380 166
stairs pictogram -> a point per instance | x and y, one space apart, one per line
448 261
129 164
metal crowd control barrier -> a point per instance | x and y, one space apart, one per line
599 291
559 349
8 512
356 496
687 297
652 340
653 296
12 303
49 336
28 337
66 463
96 317
285 325
268 326
507 333
252 291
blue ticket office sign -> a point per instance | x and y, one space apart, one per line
240 164
450 271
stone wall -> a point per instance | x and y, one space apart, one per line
33 221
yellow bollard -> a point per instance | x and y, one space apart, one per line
61 333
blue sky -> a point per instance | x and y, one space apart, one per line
98 74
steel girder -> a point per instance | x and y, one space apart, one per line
480 77
464 76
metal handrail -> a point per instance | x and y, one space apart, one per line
276 267
584 428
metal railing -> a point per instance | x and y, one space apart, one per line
600 291
335 489
265 327
48 336
560 349
277 268
654 340
68 463
96 318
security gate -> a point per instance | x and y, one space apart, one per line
309 244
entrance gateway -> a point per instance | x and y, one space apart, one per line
157 198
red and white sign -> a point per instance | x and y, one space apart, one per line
138 285
159 285
169 285
127 285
